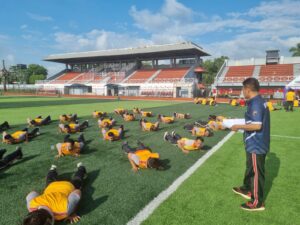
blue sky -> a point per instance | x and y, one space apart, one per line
33 29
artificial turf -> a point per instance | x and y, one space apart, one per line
112 193
206 197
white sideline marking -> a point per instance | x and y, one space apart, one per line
282 136
148 209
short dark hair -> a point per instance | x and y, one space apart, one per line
212 117
154 163
110 134
38 217
251 83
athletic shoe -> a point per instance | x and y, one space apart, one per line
248 206
19 149
241 192
173 133
165 136
79 164
81 137
53 167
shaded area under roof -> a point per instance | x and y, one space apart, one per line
178 50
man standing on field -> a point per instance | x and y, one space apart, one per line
257 143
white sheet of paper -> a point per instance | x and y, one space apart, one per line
228 123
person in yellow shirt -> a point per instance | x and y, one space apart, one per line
70 147
128 117
182 115
199 131
58 201
67 118
289 98
198 100
142 157
113 134
106 122
142 112
20 136
9 159
234 102
166 119
120 111
4 126
72 128
216 122
271 106
99 114
186 145
148 126
39 121
211 101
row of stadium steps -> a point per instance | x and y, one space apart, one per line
171 74
140 76
238 73
276 73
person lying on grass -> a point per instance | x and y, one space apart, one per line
142 157
70 147
198 131
58 201
105 123
68 118
9 159
182 115
148 126
128 116
272 107
20 136
211 102
4 126
120 111
198 100
142 112
72 128
38 121
216 122
113 134
186 145
99 114
166 119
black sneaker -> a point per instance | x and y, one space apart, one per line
165 136
19 149
249 206
245 194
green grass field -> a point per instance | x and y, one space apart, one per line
113 193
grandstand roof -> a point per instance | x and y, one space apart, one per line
182 49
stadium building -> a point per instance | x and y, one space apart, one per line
274 73
172 70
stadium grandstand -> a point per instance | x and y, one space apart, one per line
274 73
171 70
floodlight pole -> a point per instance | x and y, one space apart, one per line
5 74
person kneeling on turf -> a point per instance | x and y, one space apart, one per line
39 121
99 114
20 136
58 201
10 158
142 157
182 115
148 126
166 119
70 147
113 134
4 126
105 123
184 144
128 116
68 118
73 127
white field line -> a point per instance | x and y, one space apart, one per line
283 136
157 201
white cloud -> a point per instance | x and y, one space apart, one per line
39 18
96 40
24 26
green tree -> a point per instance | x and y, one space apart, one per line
212 67
34 69
36 77
295 50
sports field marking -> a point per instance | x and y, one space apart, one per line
149 209
282 136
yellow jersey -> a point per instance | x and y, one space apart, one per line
144 156
189 144
290 96
115 132
270 106
66 151
55 197
168 119
19 135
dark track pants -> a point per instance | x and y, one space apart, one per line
254 179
